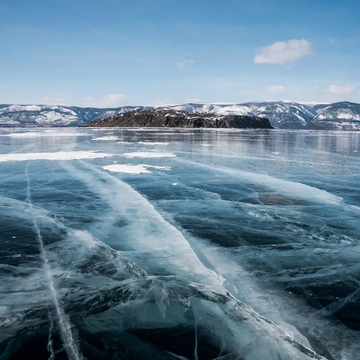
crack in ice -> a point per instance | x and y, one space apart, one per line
63 322
50 347
196 341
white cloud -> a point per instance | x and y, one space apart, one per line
340 89
113 99
331 40
276 88
283 52
350 40
182 64
108 100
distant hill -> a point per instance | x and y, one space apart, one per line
338 116
48 115
281 114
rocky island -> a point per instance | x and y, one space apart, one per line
175 118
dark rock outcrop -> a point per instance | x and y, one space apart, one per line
174 118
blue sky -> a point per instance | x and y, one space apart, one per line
114 52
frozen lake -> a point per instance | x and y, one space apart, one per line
179 244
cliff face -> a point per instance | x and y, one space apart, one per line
173 118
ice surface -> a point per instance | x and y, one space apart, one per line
236 253
157 167
291 188
144 154
148 231
153 143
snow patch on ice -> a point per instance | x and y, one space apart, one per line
128 169
61 155
106 138
134 169
43 134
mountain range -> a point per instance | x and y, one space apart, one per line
281 114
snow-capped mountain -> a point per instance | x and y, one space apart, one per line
282 114
338 116
54 115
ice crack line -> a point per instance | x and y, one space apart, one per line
64 324
196 341
50 347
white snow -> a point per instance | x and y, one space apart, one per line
128 169
64 117
22 108
61 155
43 134
134 169
106 138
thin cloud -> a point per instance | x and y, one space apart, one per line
108 100
283 52
277 88
193 100
182 64
341 89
